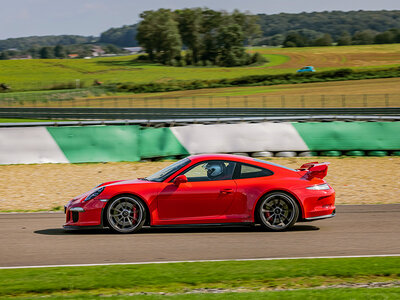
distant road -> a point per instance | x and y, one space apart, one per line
31 239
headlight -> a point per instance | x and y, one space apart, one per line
319 187
94 194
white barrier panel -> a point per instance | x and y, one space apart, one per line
240 137
29 145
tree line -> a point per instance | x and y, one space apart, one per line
365 37
209 37
354 27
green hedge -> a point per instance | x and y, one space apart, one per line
333 75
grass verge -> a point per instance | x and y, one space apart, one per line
343 293
183 277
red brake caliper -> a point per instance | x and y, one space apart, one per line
135 215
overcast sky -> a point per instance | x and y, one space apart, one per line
20 18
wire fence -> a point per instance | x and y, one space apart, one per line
80 99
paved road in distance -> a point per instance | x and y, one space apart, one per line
32 239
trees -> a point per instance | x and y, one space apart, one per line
295 39
124 36
344 39
158 33
59 51
211 37
190 26
46 52
364 37
325 40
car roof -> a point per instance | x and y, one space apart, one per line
232 157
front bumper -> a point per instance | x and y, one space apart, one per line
321 217
78 214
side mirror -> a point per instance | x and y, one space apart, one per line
180 179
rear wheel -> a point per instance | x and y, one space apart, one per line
125 214
278 211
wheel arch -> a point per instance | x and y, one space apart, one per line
146 207
301 212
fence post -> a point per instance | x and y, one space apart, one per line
283 104
365 100
343 100
387 100
264 101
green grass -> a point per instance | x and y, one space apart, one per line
180 277
38 74
340 294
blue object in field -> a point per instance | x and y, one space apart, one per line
306 69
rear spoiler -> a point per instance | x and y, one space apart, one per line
314 169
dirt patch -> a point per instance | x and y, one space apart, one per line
369 180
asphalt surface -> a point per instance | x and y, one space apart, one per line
32 239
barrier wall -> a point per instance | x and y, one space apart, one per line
132 142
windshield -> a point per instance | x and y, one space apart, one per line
168 171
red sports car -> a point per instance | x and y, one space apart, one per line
208 189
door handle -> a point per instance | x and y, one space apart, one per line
226 191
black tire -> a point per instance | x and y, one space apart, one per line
278 211
125 214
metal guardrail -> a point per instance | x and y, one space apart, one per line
181 122
186 113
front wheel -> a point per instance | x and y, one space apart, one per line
278 211
125 214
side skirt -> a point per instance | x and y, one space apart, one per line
242 224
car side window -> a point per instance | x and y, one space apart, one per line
248 171
211 171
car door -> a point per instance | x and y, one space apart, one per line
252 182
203 199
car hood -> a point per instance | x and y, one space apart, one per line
126 182
112 183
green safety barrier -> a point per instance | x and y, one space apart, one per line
377 153
159 142
348 136
355 153
98 143
332 153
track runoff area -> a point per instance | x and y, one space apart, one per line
38 240
334 258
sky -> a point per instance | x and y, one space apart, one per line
20 18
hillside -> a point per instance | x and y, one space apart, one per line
333 22
311 25
25 43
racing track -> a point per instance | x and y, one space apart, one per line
38 239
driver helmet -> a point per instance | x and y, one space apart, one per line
214 169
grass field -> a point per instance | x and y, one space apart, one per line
43 74
331 293
180 278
